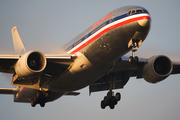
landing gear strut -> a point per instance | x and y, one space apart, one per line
134 59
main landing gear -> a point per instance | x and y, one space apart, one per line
134 59
40 98
110 100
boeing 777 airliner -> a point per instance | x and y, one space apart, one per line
95 58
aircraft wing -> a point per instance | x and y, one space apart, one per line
7 61
176 67
122 71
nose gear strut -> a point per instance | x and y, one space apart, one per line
134 44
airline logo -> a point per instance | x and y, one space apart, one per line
101 21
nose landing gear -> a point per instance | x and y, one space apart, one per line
134 44
133 59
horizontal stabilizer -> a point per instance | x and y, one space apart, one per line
9 90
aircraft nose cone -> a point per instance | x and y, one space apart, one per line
144 22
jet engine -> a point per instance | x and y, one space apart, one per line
30 63
157 69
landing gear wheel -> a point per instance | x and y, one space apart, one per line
133 60
33 103
39 98
105 98
136 59
114 101
112 106
110 100
118 96
42 104
102 104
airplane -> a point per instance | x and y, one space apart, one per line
95 58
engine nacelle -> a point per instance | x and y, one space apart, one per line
157 69
30 63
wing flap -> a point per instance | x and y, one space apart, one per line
64 59
72 93
9 90
104 86
58 56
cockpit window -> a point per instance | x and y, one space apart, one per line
133 11
137 11
129 13
145 11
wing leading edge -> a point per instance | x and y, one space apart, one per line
7 61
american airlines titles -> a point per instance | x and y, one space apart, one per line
101 21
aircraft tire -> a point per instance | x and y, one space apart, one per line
131 59
42 104
112 105
103 106
115 101
136 59
33 103
118 96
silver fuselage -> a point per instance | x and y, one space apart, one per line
98 48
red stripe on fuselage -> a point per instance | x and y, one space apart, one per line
108 29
